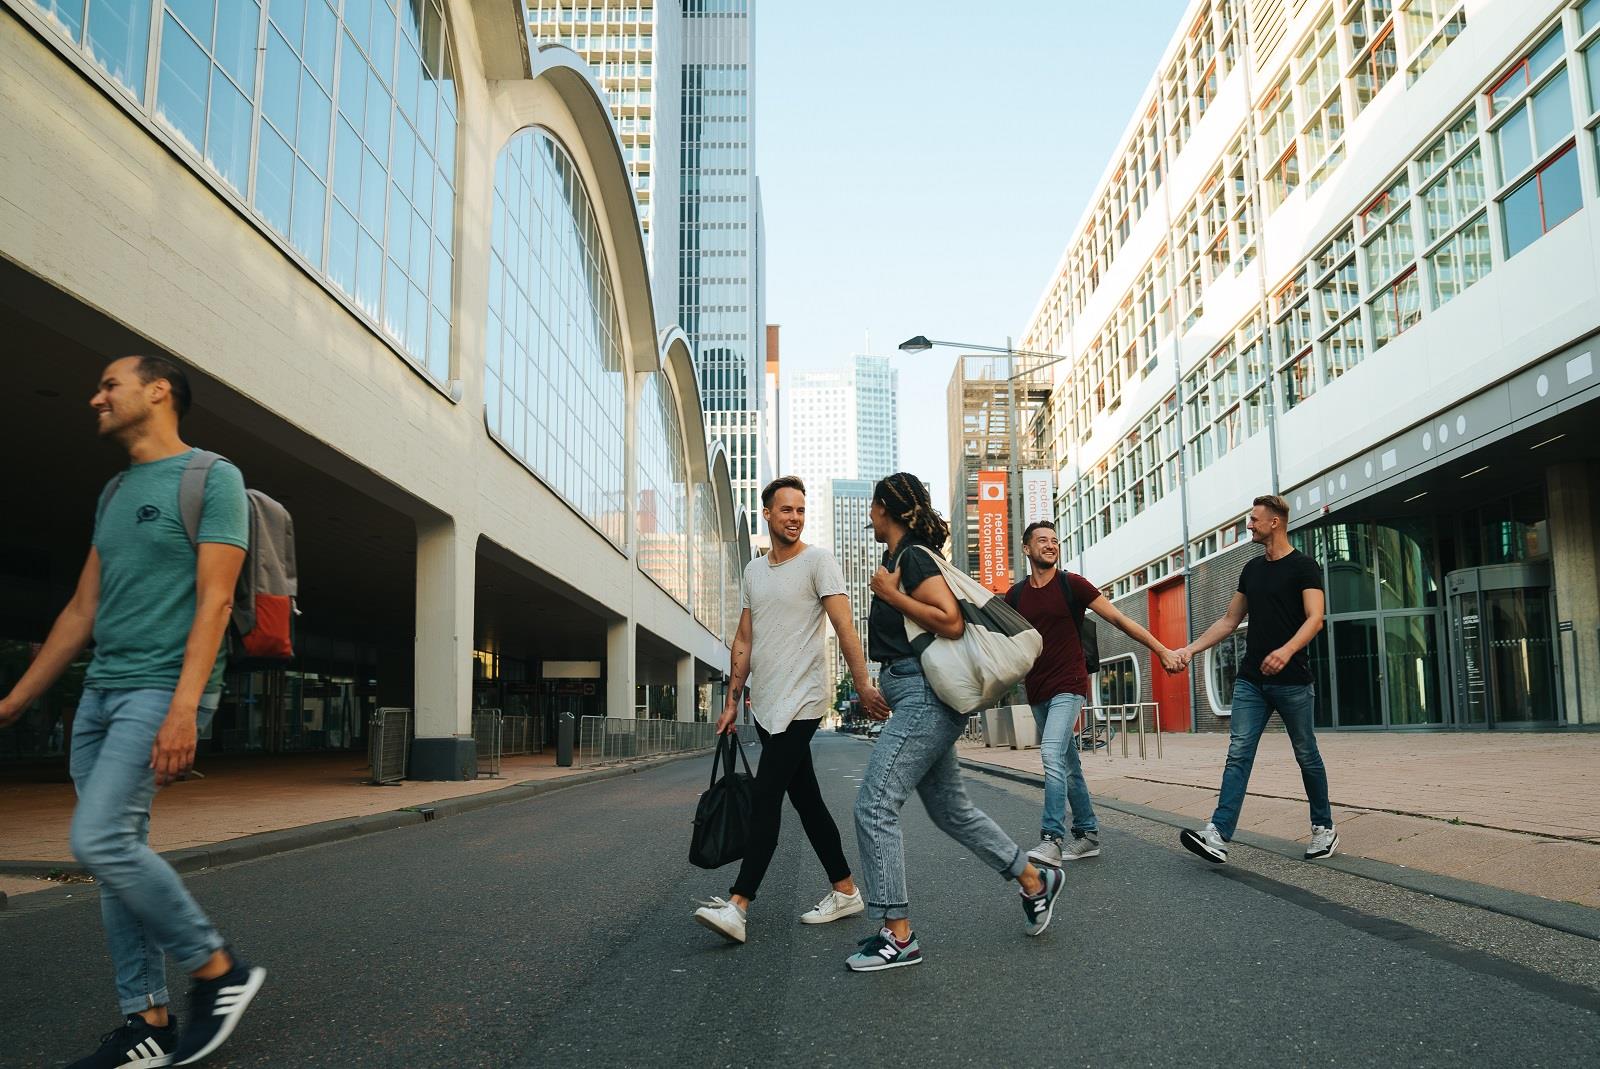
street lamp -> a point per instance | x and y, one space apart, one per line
922 343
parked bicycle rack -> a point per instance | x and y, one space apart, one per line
1101 717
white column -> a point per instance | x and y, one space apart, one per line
446 562
1576 575
686 688
621 669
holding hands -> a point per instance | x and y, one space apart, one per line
1175 661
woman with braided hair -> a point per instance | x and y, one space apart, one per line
916 751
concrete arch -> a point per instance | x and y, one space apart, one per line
677 361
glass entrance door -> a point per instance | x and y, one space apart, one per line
1502 627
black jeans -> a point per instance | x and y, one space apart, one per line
786 768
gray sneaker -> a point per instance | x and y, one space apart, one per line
1048 852
1081 846
1207 842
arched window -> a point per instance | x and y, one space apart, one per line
707 559
337 129
1222 668
554 393
663 489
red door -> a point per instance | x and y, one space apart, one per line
1169 623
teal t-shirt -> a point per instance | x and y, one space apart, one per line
147 572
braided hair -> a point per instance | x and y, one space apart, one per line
906 500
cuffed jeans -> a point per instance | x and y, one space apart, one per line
143 904
917 752
1063 771
1253 705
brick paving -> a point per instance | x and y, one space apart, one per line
1514 810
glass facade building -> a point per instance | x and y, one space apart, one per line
335 123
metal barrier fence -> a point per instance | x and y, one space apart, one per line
1096 725
522 735
389 744
488 732
608 738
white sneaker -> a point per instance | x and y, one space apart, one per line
1206 842
1324 842
835 905
724 918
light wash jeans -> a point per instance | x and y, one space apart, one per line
1253 704
1063 771
917 752
143 904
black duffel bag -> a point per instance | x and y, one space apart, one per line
722 819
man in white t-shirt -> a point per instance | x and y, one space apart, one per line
780 648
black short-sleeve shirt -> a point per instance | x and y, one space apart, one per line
886 628
1273 591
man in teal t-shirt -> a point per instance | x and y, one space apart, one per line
157 607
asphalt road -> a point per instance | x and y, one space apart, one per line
556 932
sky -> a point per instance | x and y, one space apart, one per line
923 164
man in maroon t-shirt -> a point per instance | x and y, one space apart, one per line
1058 687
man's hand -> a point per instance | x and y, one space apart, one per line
730 713
173 752
10 710
885 582
872 702
1273 662
1174 661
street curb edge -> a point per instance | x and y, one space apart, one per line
1548 913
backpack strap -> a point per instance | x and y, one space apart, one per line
192 491
106 494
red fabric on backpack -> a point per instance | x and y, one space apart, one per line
271 635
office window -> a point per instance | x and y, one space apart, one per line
1370 33
1279 148
1321 103
1338 302
1532 137
1293 339
1455 231
1430 27
1389 252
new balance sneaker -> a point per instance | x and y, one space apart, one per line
835 905
884 951
215 1007
1207 842
1038 908
722 917
136 1044
1324 841
1048 852
1081 846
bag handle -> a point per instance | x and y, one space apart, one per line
727 743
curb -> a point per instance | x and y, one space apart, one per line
265 844
1548 913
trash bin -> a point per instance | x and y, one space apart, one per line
566 725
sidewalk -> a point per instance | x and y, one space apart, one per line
239 796
1510 810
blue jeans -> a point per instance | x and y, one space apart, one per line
917 752
1253 704
1063 771
143 904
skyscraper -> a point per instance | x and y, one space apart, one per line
843 424
678 78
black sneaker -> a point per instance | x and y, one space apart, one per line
1038 908
136 1043
215 1007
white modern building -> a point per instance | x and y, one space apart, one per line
858 554
397 246
1345 251
843 423
678 77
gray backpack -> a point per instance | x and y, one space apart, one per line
264 599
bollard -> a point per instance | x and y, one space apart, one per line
565 724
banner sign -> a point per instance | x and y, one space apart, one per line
1038 496
994 548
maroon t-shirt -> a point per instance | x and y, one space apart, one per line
1060 668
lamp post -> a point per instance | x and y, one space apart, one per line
922 343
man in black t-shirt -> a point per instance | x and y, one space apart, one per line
1281 592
